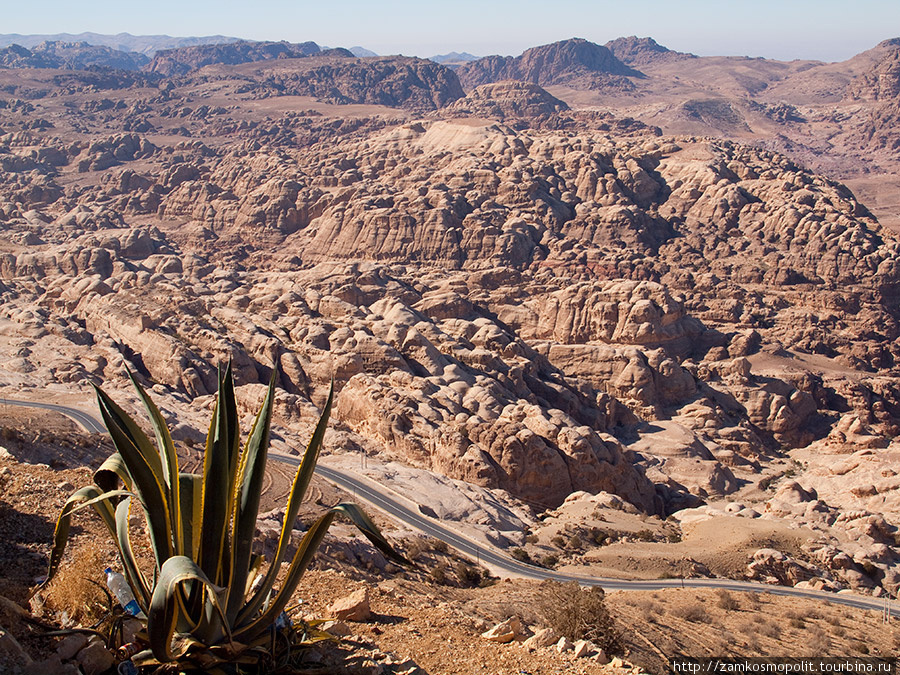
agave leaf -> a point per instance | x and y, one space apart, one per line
168 462
190 493
64 522
130 428
218 482
298 490
365 525
249 490
100 497
111 472
165 604
147 482
305 552
133 573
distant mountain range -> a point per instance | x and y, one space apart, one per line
70 56
125 42
453 57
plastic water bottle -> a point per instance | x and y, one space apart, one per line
120 588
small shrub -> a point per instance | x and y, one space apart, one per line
819 641
438 545
795 619
438 573
416 546
468 576
645 535
574 543
727 601
521 555
579 614
558 541
692 613
754 602
673 536
550 561
531 538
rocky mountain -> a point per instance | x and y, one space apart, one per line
635 51
508 99
881 82
125 42
69 56
395 81
572 62
182 60
361 52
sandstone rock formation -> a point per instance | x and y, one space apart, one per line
69 55
635 51
508 99
182 60
541 307
566 62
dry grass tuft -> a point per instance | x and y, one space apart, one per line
71 591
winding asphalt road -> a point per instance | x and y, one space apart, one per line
386 501
86 421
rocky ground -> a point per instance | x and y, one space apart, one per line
601 343
418 621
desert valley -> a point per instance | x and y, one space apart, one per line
611 311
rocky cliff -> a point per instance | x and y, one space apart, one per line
182 60
571 62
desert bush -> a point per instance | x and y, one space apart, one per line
819 641
210 601
693 613
531 538
558 541
754 601
574 543
521 555
578 613
726 600
795 619
416 546
438 573
468 576
550 560
645 535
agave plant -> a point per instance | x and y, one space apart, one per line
210 601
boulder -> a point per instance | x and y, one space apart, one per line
354 607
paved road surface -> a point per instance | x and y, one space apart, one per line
385 500
86 421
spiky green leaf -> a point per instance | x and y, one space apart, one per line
168 463
298 491
166 603
248 492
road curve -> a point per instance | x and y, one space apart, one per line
384 500
84 420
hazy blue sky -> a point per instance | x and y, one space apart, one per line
785 29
